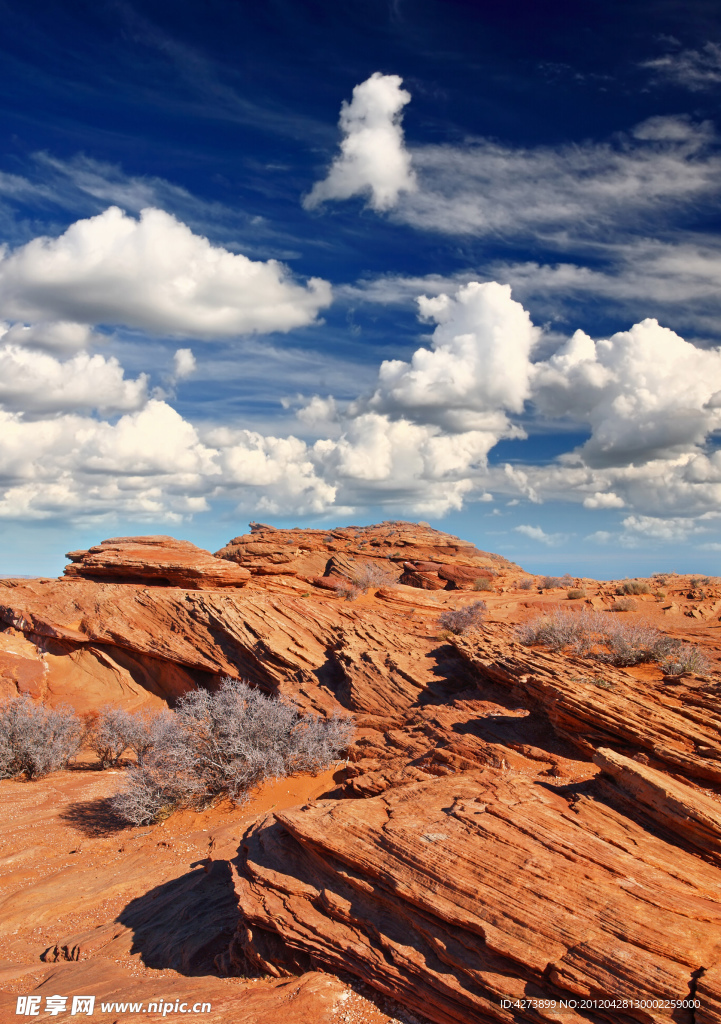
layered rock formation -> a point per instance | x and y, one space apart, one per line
155 560
462 892
510 824
267 551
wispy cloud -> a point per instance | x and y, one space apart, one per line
486 188
567 193
540 535
693 69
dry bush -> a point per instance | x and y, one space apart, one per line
36 740
482 583
587 632
316 742
527 584
225 743
633 587
114 730
623 604
551 582
109 734
685 658
575 593
462 620
371 574
631 643
577 630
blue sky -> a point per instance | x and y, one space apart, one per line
307 262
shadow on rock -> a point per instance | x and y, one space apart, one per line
94 818
185 923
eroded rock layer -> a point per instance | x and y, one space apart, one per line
509 821
157 560
461 892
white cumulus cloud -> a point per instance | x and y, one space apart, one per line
373 159
418 440
478 366
603 500
59 337
646 393
154 274
38 384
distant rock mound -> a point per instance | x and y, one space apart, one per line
162 561
348 550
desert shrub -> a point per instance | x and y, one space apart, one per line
527 584
482 583
462 620
114 730
145 732
630 643
225 743
685 658
315 742
619 643
36 740
109 734
374 575
575 592
578 630
623 604
549 582
633 587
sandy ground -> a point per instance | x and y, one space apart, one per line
145 910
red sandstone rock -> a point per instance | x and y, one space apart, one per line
461 576
677 728
308 551
157 560
437 576
484 853
460 892
22 668
422 580
695 817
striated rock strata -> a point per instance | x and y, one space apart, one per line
509 822
457 893
155 560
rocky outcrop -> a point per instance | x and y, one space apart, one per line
509 822
22 668
693 816
449 576
592 706
268 551
161 561
458 893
